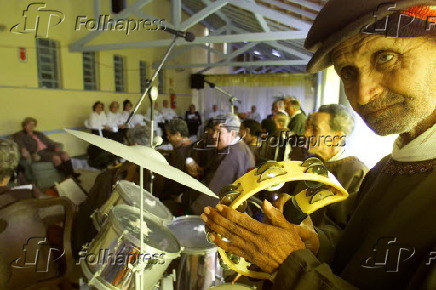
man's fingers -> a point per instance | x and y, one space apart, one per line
221 225
241 219
275 215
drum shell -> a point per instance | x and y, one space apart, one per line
122 194
105 270
199 266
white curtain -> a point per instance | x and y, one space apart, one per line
257 90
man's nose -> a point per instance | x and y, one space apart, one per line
368 88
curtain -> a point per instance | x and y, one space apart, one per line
259 90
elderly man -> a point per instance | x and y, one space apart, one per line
326 133
231 160
297 123
389 242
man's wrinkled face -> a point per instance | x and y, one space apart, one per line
390 82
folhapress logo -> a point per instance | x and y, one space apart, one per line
38 20
388 254
38 254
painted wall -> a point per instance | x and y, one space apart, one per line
70 105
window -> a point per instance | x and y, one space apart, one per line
160 82
48 63
119 73
89 71
118 6
142 75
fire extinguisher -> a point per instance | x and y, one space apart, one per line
172 98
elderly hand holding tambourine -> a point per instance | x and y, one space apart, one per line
255 249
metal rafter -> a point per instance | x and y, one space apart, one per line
210 9
234 38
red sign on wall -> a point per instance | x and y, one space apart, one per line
22 54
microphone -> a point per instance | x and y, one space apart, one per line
188 36
234 99
211 85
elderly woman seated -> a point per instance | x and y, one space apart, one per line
35 146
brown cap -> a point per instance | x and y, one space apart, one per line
341 19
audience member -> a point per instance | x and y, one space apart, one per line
193 120
97 119
298 119
326 135
215 112
250 132
231 160
167 113
253 114
9 158
36 146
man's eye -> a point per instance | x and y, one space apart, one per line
348 72
384 58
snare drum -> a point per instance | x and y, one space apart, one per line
112 259
199 266
126 192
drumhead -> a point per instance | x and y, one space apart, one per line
126 220
189 230
130 192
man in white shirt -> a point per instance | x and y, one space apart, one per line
253 114
215 112
167 113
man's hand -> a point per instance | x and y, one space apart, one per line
25 153
193 169
267 246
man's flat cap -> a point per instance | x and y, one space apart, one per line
341 19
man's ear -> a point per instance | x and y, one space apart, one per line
337 138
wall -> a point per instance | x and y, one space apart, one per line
70 105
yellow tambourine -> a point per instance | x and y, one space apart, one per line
322 189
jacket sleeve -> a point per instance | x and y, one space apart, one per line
302 270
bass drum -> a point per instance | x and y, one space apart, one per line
113 260
129 193
199 266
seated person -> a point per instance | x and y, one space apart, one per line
231 159
114 120
193 119
97 118
326 134
250 132
35 146
9 158
135 120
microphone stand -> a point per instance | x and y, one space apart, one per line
153 98
138 104
231 97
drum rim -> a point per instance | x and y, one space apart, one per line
117 226
168 215
190 250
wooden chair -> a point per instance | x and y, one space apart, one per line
35 238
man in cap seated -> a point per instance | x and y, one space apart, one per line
385 55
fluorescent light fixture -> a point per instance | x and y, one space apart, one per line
276 53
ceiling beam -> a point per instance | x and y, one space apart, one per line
272 14
307 4
210 9
233 38
236 63
176 12
240 50
290 8
75 46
